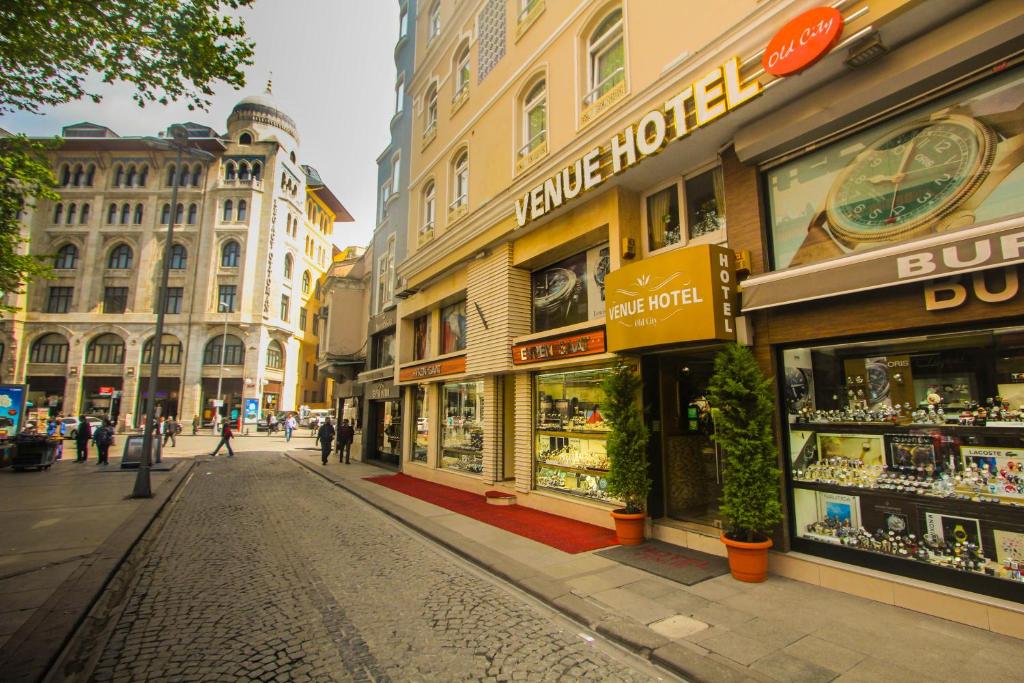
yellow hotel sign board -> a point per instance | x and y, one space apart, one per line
684 295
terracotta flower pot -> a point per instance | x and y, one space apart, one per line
748 561
629 526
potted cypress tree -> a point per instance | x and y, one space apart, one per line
628 478
742 407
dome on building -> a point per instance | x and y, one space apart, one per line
262 109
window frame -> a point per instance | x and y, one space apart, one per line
49 353
124 254
59 299
230 254
67 251
529 103
460 177
105 354
118 296
600 45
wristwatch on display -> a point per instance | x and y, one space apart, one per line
923 177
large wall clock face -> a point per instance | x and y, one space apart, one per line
904 182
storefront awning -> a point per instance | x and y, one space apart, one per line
987 245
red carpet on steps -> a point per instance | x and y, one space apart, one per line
567 535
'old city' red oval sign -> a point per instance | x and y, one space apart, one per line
803 41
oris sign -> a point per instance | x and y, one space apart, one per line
803 41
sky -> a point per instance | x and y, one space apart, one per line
333 73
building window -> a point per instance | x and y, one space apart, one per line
115 299
229 210
535 118
275 356
229 171
85 215
67 257
257 170
403 22
126 210
120 258
59 299
243 170
58 213
399 95
383 350
129 180
430 124
285 307
226 298
605 58
453 327
106 349
171 175
137 216
50 348
245 139
170 351
193 210
421 337
196 174
302 318
460 187
229 254
461 69
165 214
242 209
224 350
179 257
434 21
661 216
462 431
306 282
90 175
112 214
143 176
429 209
705 204
570 291
72 214
173 299
396 168
288 261
421 415
491 37
118 175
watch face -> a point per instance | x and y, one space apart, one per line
902 183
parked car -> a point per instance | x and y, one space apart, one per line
261 424
71 425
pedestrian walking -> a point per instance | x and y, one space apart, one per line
272 424
195 424
104 439
225 439
83 433
289 426
170 431
345 436
325 436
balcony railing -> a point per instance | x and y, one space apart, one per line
426 233
458 208
460 97
536 148
254 183
429 133
606 93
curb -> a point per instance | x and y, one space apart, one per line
33 649
688 664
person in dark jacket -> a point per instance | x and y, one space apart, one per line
325 436
345 437
226 434
83 434
104 438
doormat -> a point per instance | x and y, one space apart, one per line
671 562
567 535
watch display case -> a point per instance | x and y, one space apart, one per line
569 449
907 485
462 433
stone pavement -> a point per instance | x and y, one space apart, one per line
259 571
716 630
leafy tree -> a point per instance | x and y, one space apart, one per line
742 406
168 49
628 477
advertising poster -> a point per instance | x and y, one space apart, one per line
12 407
867 448
570 291
910 451
1009 546
252 411
994 459
840 508
914 176
954 529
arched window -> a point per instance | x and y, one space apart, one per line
79 175
284 180
143 175
434 20
229 347
243 171
165 214
171 174
170 350
257 170
126 211
106 349
292 156
229 210
112 214
430 123
65 175
461 69
72 213
241 209
129 179
90 175
179 214
275 356
460 187
183 176
229 171
118 175
137 218
307 282
179 257
535 118
84 218
58 213
606 66
288 262
50 348
429 206
120 257
193 209
229 254
67 257
245 139
197 173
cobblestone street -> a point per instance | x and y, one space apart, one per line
263 571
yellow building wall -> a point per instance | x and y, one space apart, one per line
307 383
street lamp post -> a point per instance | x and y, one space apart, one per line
143 488
222 305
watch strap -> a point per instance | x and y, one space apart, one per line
818 245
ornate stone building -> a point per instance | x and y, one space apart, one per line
253 234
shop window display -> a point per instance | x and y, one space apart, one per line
571 432
462 434
911 450
453 327
570 291
421 409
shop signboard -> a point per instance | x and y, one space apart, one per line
252 411
803 41
427 371
570 346
381 391
12 405
383 321
679 296
105 391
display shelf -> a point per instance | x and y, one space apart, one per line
957 505
573 435
569 468
894 428
577 493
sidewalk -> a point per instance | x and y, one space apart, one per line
717 630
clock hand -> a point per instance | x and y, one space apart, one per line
899 177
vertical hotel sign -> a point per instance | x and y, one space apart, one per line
685 295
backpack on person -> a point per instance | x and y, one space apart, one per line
104 437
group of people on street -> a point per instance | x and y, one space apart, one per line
325 437
103 437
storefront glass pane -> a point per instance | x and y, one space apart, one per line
462 433
422 413
453 327
911 449
946 166
570 291
663 218
388 431
420 337
571 432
